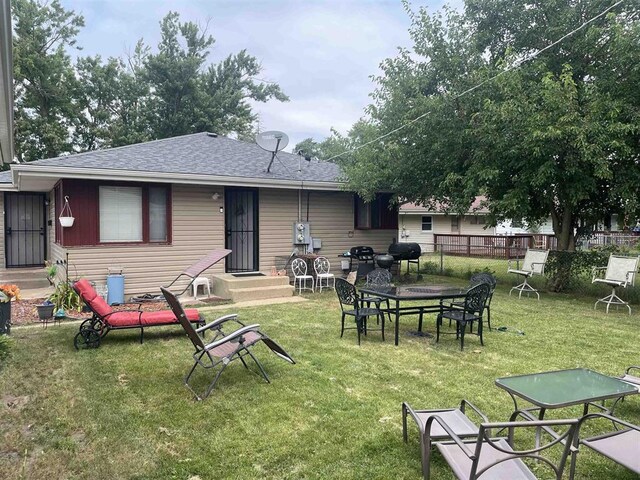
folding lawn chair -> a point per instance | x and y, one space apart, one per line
225 348
192 272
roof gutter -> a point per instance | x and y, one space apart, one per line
46 171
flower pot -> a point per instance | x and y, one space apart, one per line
66 221
45 312
5 318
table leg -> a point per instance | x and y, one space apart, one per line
539 429
420 320
397 320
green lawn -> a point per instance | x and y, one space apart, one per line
121 411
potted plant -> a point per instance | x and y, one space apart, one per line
65 298
45 310
7 293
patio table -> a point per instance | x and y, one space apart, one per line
427 293
562 388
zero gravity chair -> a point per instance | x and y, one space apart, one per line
224 348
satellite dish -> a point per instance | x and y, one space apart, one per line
272 141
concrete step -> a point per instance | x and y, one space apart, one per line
260 293
30 278
250 282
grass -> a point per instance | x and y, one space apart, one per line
121 411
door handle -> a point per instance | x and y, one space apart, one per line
8 230
42 231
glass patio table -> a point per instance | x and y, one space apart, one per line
426 295
562 388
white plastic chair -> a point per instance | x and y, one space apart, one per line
299 269
201 281
322 267
533 264
620 272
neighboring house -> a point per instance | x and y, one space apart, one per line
156 207
418 224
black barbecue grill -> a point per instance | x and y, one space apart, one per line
362 254
409 252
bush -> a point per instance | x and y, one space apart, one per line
568 270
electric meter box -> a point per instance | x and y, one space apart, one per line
301 233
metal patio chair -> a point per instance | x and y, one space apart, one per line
621 445
379 277
351 305
299 269
620 272
477 279
471 311
456 419
225 347
323 274
498 458
532 264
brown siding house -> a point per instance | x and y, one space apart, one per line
154 208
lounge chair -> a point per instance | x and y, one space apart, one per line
105 318
497 458
620 272
225 347
532 264
622 446
456 419
633 379
191 272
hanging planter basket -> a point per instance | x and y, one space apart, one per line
66 216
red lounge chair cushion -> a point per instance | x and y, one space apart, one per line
91 298
167 316
148 319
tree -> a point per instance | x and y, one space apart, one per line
187 100
555 137
44 78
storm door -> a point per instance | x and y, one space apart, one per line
241 229
25 231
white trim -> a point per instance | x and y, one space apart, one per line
48 171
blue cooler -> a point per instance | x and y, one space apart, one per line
115 286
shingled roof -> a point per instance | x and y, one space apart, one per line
199 154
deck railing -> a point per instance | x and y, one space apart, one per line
492 246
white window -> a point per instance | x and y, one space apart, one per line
120 214
455 223
427 223
478 220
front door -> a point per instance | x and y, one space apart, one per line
241 227
25 229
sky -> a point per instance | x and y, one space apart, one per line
321 53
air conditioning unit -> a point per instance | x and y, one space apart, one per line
301 233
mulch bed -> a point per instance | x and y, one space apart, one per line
24 312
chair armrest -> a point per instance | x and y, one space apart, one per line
231 336
456 439
611 418
219 321
533 270
140 312
632 367
596 272
631 276
466 403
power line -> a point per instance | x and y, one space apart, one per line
515 65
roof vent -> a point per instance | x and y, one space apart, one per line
212 135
